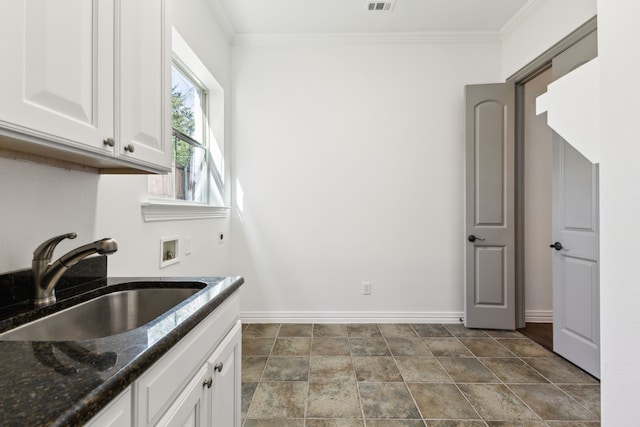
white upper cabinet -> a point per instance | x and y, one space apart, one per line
144 82
83 80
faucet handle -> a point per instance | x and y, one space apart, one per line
45 250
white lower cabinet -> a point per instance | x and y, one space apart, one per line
116 414
212 397
196 383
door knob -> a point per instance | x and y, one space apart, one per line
557 246
473 238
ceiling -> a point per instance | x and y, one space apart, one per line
352 16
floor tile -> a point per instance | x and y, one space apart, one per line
550 403
516 424
466 370
397 330
274 423
292 346
387 400
333 400
574 424
363 330
513 370
460 331
334 422
524 347
252 368
278 400
369 347
330 347
331 368
286 368
430 330
504 334
376 368
558 370
248 389
486 347
408 346
257 346
422 370
496 402
395 423
329 330
586 395
262 330
455 423
447 347
295 330
441 401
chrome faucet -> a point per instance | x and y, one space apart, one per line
46 273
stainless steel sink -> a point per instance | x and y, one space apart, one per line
102 316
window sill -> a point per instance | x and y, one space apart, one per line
154 210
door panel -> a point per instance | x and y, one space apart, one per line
490 261
576 289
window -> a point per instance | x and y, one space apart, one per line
197 110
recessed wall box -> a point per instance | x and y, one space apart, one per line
169 251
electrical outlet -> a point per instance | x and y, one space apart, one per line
366 288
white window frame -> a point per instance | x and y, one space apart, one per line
156 209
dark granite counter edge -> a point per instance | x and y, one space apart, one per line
82 411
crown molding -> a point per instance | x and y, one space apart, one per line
365 38
523 14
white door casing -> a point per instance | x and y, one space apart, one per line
490 230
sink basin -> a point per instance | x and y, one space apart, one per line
102 316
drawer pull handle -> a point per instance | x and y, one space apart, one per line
218 367
109 142
130 148
207 383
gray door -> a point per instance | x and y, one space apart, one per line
490 259
576 281
576 289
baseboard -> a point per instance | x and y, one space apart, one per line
349 317
538 316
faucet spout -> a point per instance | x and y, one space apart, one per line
46 274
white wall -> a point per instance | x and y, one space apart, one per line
351 164
39 202
120 196
618 33
540 27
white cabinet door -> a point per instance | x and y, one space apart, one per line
143 116
225 370
56 77
190 408
117 414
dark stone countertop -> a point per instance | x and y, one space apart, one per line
67 383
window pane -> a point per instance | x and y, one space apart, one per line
190 171
186 105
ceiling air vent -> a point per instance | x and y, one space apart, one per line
380 6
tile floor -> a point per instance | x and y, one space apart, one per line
382 375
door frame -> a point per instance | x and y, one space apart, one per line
522 76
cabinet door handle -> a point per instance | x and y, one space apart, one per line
207 383
109 142
218 367
130 148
